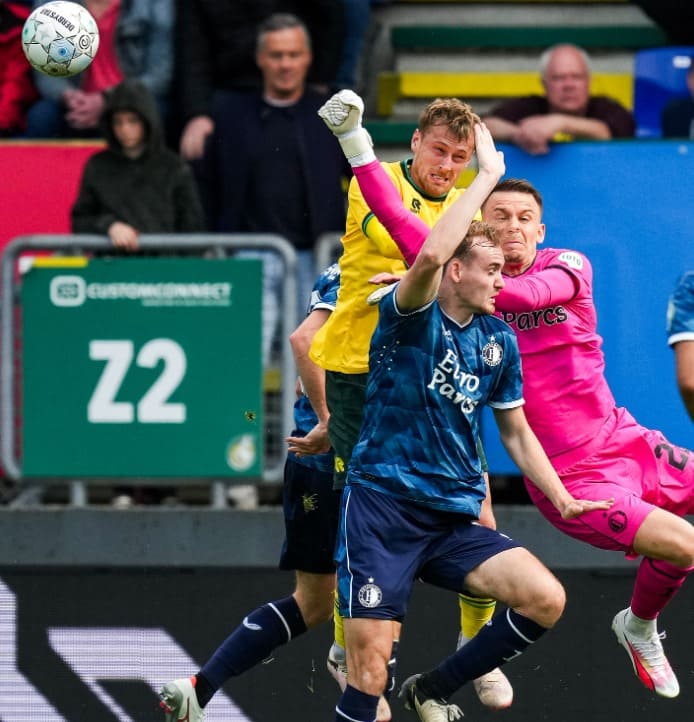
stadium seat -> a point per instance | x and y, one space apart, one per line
659 74
459 38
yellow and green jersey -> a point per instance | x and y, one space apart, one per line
342 344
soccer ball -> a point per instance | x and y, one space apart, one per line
60 38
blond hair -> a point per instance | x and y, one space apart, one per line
477 230
457 116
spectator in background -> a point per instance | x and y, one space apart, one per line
136 41
357 18
567 111
680 336
17 90
271 166
677 119
355 41
136 185
216 44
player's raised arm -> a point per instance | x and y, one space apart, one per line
343 114
421 283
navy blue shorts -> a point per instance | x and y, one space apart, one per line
311 512
385 543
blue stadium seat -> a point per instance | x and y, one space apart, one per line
659 74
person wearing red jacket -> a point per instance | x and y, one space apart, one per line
17 91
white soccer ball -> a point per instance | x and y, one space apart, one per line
60 38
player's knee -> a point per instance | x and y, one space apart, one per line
320 614
685 555
370 675
683 558
548 602
315 608
555 603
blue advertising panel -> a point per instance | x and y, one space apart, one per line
629 206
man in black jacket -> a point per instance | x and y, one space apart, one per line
271 165
216 41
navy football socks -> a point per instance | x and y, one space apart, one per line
506 636
262 631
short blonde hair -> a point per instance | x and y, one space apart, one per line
457 116
477 229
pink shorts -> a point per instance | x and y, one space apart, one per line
637 467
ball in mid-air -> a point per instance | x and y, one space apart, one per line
60 38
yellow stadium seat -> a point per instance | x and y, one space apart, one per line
468 86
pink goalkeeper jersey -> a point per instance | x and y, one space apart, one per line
550 306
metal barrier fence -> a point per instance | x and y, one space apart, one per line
68 256
328 249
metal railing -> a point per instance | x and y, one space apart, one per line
328 249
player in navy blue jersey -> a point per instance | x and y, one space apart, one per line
680 335
311 510
415 483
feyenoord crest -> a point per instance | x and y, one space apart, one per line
370 595
492 353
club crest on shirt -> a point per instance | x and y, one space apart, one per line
572 259
370 595
492 353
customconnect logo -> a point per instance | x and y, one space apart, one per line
68 291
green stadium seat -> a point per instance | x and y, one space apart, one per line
390 132
456 38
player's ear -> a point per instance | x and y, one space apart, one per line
416 139
454 268
541 233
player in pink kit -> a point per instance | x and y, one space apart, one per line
598 449
596 445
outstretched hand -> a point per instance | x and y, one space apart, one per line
489 159
576 507
375 297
